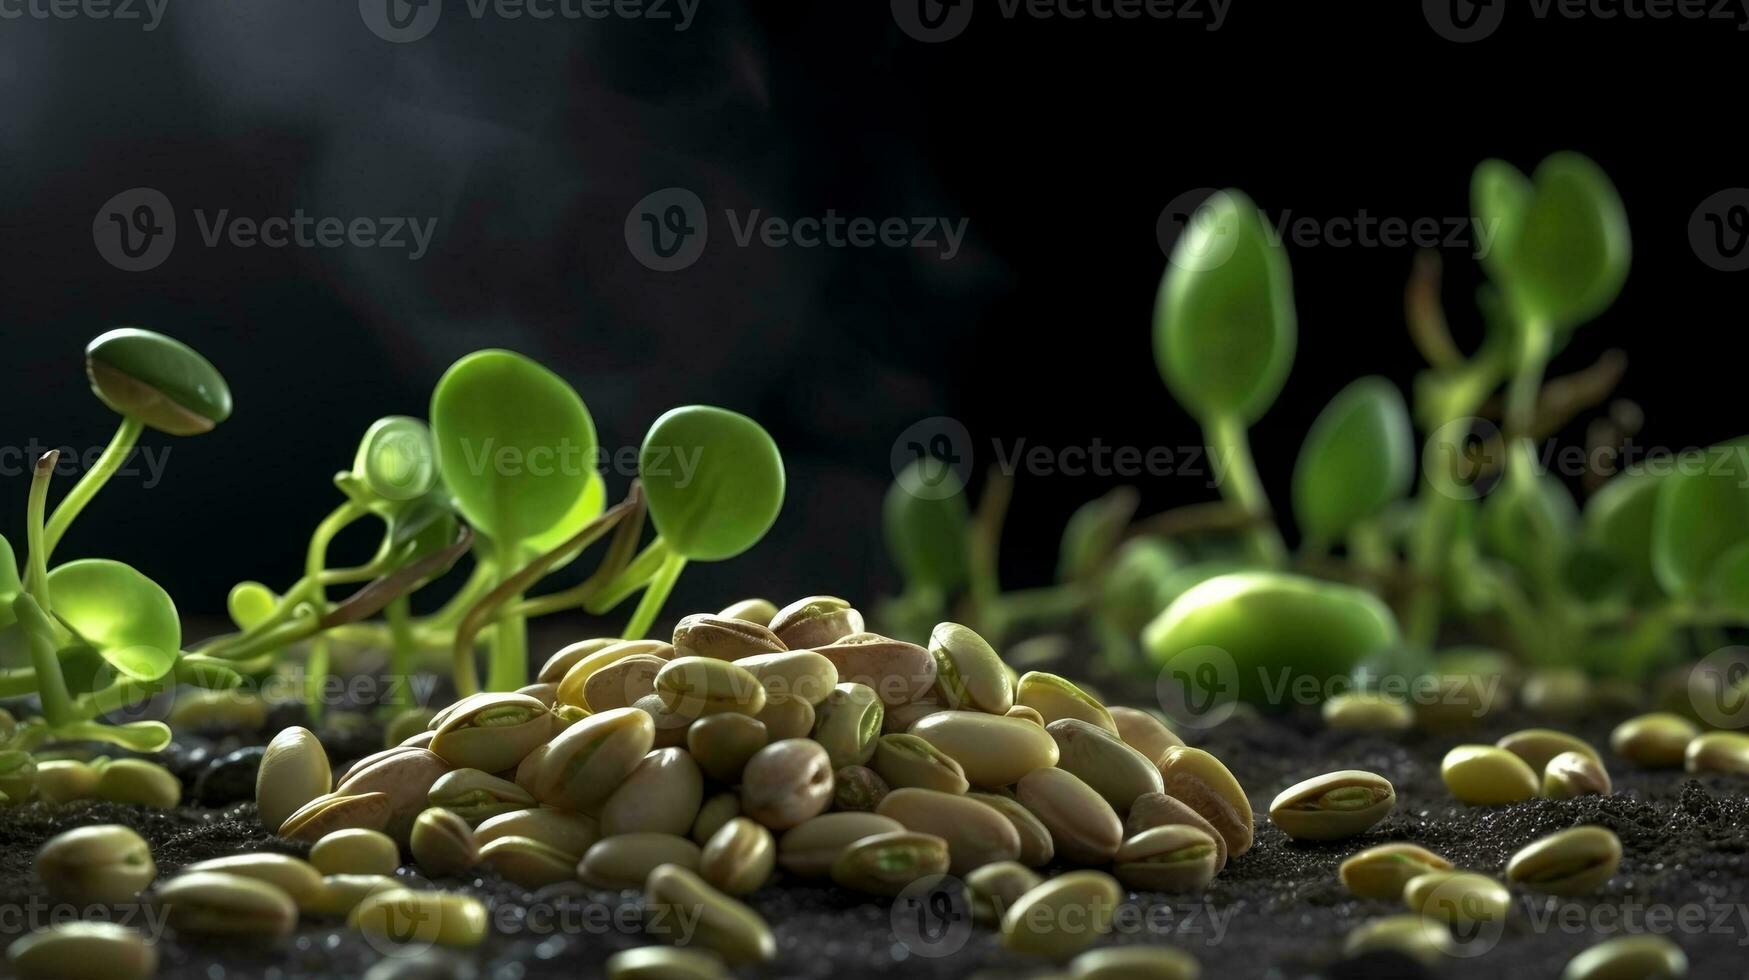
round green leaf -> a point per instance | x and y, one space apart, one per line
515 446
121 614
395 459
929 536
1270 621
250 603
1358 458
1513 516
1224 327
1499 194
1562 248
714 481
162 382
1702 512
1618 523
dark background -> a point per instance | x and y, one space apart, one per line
1060 142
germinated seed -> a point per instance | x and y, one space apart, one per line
1654 741
1199 781
1152 810
665 963
1726 752
443 844
80 950
662 795
1143 732
698 686
885 863
217 711
405 776
1055 697
723 637
1457 897
809 848
1036 847
739 857
976 834
625 861
1368 711
722 744
1104 761
575 678
138 781
857 788
295 877
801 674
476 796
787 718
337 811
1174 858
622 683
898 672
847 724
421 918
760 611
719 809
1062 916
528 862
572 833
1536 746
995 887
210 903
105 863
560 663
815 621
1334 805
492 732
786 782
586 762
1639 957
909 761
1418 937
1135 963
65 780
340 894
1382 871
1573 862
1573 774
1023 713
1484 775
674 895
993 750
968 673
670 726
1084 828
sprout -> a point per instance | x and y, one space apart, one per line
1358 458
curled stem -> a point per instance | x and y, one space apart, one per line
120 445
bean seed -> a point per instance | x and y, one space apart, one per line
898 672
899 720
1061 917
815 621
1558 692
800 674
493 732
1367 711
1135 963
421 918
571 833
723 638
617 863
993 750
585 763
443 844
1104 761
1420 938
968 673
786 782
995 887
1054 697
573 682
700 686
885 863
662 795
1152 810
1726 752
623 683
1143 732
847 724
1383 871
722 744
1460 898
408 724
215 904
560 663
787 718
17 776
104 863
759 611
1484 775
528 862
1084 828
1199 781
1036 847
670 726
1174 858
476 796
140 782
337 811
858 788
739 857
719 809
1577 861
340 894
810 848
1021 712
976 834
65 780
909 761
1334 805
1641 957
665 963
405 776
295 877
81 950
1655 741
545 693
1573 774
720 922
1536 746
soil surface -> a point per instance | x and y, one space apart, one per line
1275 912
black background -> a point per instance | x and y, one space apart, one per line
1059 141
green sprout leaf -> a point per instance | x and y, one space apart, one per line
249 603
1093 531
1224 327
929 534
1136 587
1261 623
395 459
1515 516
1618 527
1561 249
714 480
1358 458
119 613
1702 512
161 382
515 445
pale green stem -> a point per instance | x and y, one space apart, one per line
507 669
400 617
654 597
51 686
636 575
126 437
316 559
1240 484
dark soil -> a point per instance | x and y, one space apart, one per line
1275 912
